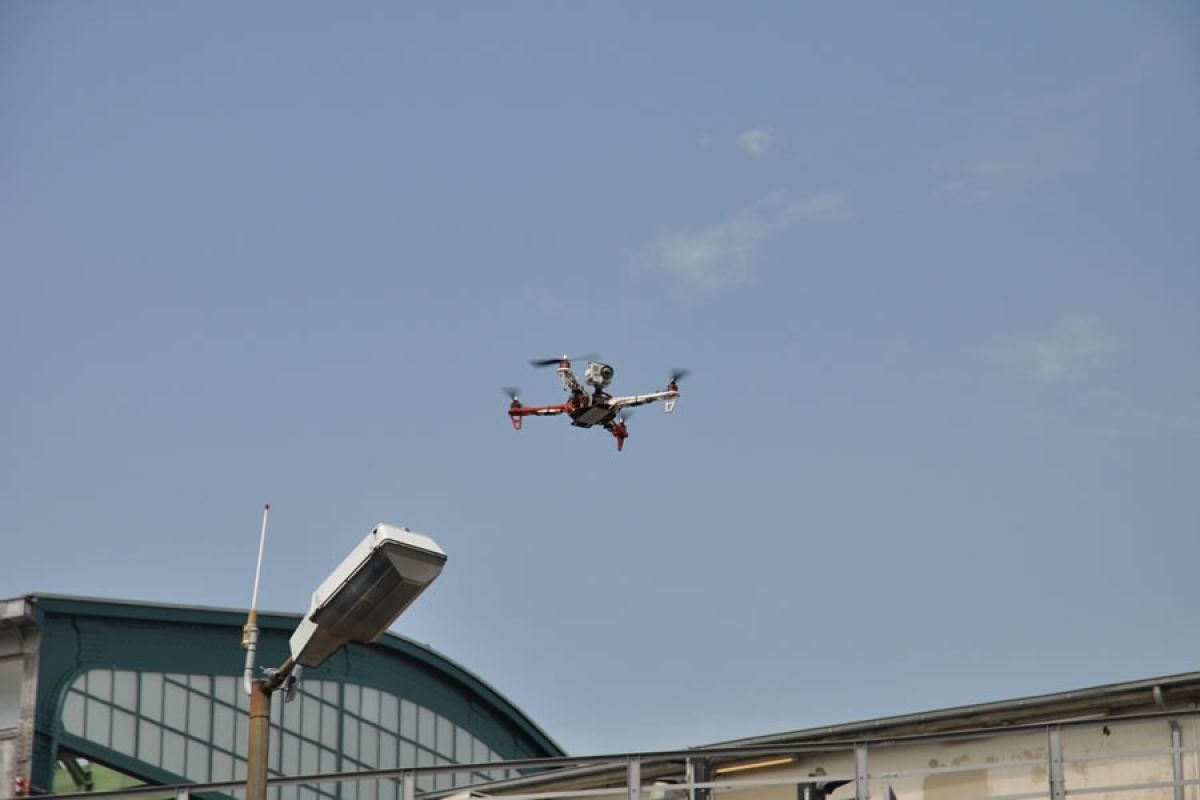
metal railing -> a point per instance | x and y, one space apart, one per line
1143 770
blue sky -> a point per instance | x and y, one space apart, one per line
934 267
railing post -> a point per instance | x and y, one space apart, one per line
633 778
862 778
1058 788
408 785
1177 775
699 770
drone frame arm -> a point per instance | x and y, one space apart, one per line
516 412
670 396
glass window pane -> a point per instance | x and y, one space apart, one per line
222 766
197 761
124 728
98 718
370 704
387 751
445 737
310 717
408 720
125 689
72 713
149 742
408 754
199 709
367 790
273 748
99 683
309 759
328 760
291 715
426 728
291 755
175 706
152 692
350 739
350 698
201 683
172 752
329 691
368 745
389 712
462 746
223 689
329 726
222 734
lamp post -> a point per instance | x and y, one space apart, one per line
359 600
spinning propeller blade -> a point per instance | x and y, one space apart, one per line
511 392
679 375
551 362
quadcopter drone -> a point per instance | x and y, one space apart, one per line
597 408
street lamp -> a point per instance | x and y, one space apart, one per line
359 600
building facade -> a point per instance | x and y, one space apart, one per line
104 694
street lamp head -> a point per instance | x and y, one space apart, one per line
373 586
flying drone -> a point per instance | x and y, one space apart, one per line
597 408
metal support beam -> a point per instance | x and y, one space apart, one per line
408 786
1058 785
862 778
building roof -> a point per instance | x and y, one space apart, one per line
37 606
1172 691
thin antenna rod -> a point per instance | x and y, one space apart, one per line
262 543
250 632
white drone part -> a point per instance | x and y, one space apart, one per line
598 374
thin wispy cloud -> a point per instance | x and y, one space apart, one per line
1076 345
757 142
720 254
993 177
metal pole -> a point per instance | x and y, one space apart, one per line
1058 785
633 778
260 740
862 778
1177 775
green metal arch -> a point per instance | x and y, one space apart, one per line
85 633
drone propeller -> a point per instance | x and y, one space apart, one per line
511 392
550 362
679 375
624 416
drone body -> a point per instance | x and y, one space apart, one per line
596 408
